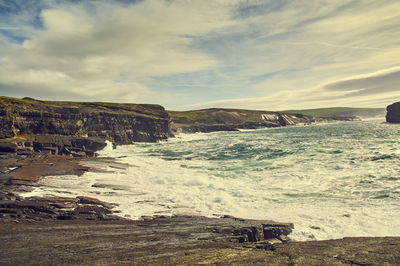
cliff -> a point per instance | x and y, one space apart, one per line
219 119
58 127
340 113
81 128
393 113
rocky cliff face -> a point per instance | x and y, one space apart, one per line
217 119
120 123
78 125
393 113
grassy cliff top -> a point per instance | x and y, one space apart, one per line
217 115
29 104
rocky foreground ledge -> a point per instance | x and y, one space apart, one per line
83 230
182 240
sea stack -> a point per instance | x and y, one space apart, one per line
393 113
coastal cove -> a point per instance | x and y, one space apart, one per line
331 180
180 195
190 132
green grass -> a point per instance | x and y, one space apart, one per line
29 104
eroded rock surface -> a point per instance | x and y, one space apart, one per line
52 144
182 240
13 208
119 123
218 119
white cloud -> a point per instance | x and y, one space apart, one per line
318 42
256 54
376 89
83 48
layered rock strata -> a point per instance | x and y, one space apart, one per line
17 209
77 128
120 123
52 144
175 241
217 119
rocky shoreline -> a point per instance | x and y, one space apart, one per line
40 139
175 241
83 230
31 127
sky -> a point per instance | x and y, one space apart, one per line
183 54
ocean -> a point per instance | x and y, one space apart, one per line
331 180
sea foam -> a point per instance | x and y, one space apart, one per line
331 181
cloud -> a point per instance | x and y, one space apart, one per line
85 48
375 83
258 54
376 89
321 42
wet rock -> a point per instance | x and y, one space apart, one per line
277 231
94 201
14 208
250 234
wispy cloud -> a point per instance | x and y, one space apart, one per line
262 54
375 83
85 47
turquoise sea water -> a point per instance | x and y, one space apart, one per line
331 180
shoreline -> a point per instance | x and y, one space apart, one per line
212 240
176 241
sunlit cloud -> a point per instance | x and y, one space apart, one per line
192 54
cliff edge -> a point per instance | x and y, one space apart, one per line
393 113
72 127
222 119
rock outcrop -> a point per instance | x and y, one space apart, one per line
52 144
176 241
17 209
120 123
220 119
332 114
393 113
217 119
77 128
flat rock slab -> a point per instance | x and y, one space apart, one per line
176 241
15 170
